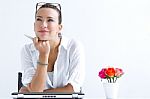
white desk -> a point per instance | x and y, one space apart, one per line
117 98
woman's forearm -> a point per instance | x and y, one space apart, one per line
67 88
38 81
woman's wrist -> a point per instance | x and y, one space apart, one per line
43 64
43 59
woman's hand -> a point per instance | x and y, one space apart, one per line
42 46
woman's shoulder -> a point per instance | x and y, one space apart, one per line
73 43
29 47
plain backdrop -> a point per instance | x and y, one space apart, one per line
113 32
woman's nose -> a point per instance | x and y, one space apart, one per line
44 24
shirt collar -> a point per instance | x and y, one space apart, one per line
64 42
33 47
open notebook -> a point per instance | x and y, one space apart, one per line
16 95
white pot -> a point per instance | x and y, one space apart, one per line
111 90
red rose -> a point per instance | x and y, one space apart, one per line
110 72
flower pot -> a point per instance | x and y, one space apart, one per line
111 90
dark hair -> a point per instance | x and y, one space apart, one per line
50 5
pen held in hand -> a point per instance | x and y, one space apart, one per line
29 37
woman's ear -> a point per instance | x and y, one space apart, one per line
60 27
34 26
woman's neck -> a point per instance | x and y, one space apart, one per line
54 45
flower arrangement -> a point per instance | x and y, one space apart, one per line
111 74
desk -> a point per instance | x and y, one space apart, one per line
84 98
117 98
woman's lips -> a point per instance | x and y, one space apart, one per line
43 32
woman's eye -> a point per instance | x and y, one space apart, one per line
50 20
38 19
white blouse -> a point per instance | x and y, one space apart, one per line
68 68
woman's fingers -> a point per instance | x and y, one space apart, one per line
42 46
47 43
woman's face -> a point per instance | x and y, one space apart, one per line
46 24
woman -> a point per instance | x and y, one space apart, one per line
52 63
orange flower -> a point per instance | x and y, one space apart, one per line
110 72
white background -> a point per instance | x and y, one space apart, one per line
113 32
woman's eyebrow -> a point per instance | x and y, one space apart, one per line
47 17
50 17
39 16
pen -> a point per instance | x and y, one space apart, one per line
29 37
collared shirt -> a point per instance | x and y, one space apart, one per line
69 66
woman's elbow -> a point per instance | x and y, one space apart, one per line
34 88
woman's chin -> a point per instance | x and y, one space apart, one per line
43 39
47 38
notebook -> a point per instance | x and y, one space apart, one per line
75 95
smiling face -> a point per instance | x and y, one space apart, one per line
46 24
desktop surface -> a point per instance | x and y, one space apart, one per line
52 95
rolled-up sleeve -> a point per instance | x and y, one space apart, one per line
27 65
77 67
